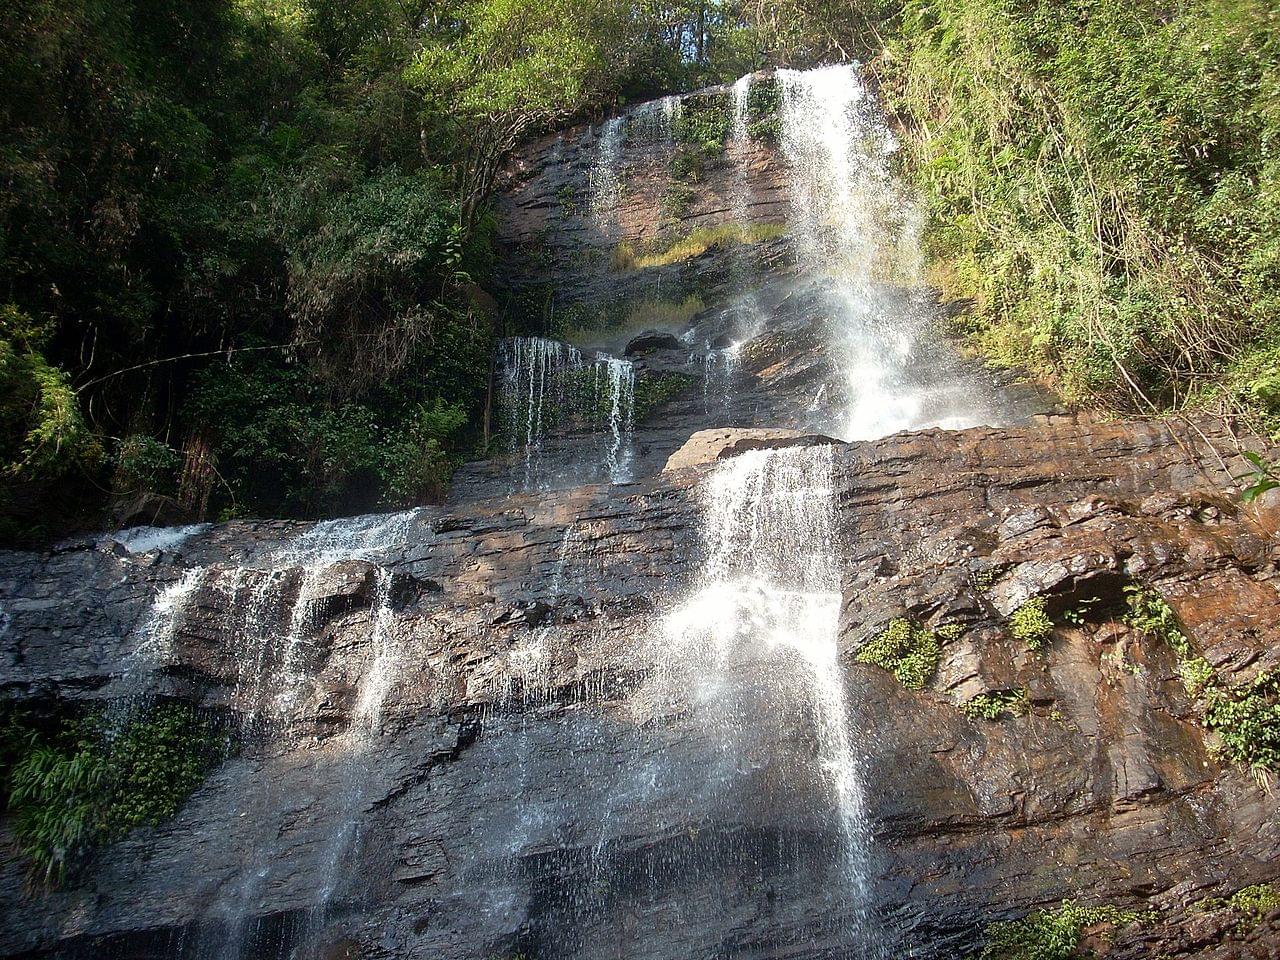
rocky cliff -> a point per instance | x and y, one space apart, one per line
766 694
516 797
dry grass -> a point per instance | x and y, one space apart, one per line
630 256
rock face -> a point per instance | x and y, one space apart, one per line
459 761
670 237
477 732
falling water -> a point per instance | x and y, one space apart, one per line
750 657
619 381
654 122
146 539
545 385
604 179
852 221
533 379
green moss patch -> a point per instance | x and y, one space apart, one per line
75 788
629 256
908 651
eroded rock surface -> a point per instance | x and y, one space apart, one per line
514 794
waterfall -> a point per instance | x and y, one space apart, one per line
853 222
654 122
619 381
146 539
546 385
604 179
532 388
755 643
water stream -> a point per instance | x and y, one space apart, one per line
741 722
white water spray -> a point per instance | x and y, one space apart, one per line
759 633
853 222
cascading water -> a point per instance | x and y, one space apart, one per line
545 385
853 222
273 603
722 746
533 375
619 395
654 123
604 179
754 644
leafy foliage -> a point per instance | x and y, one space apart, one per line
1030 624
1103 181
1050 934
1246 720
1151 613
1263 477
908 651
997 704
82 786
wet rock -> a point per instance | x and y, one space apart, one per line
508 734
708 446
650 341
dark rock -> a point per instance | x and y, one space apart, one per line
651 340
500 770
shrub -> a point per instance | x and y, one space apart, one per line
1030 624
1049 934
998 703
908 651
145 463
83 786
1246 720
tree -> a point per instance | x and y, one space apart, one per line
505 68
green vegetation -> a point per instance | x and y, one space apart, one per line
245 243
997 704
1255 902
1262 476
1252 903
656 390
1030 624
81 785
1151 613
663 252
1245 718
704 123
1103 179
764 110
908 651
1050 934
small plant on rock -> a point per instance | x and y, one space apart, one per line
1151 613
1246 720
997 704
84 785
908 651
1050 934
1030 624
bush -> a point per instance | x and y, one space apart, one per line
1049 934
1246 720
1030 624
998 703
1103 181
73 790
908 651
145 463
